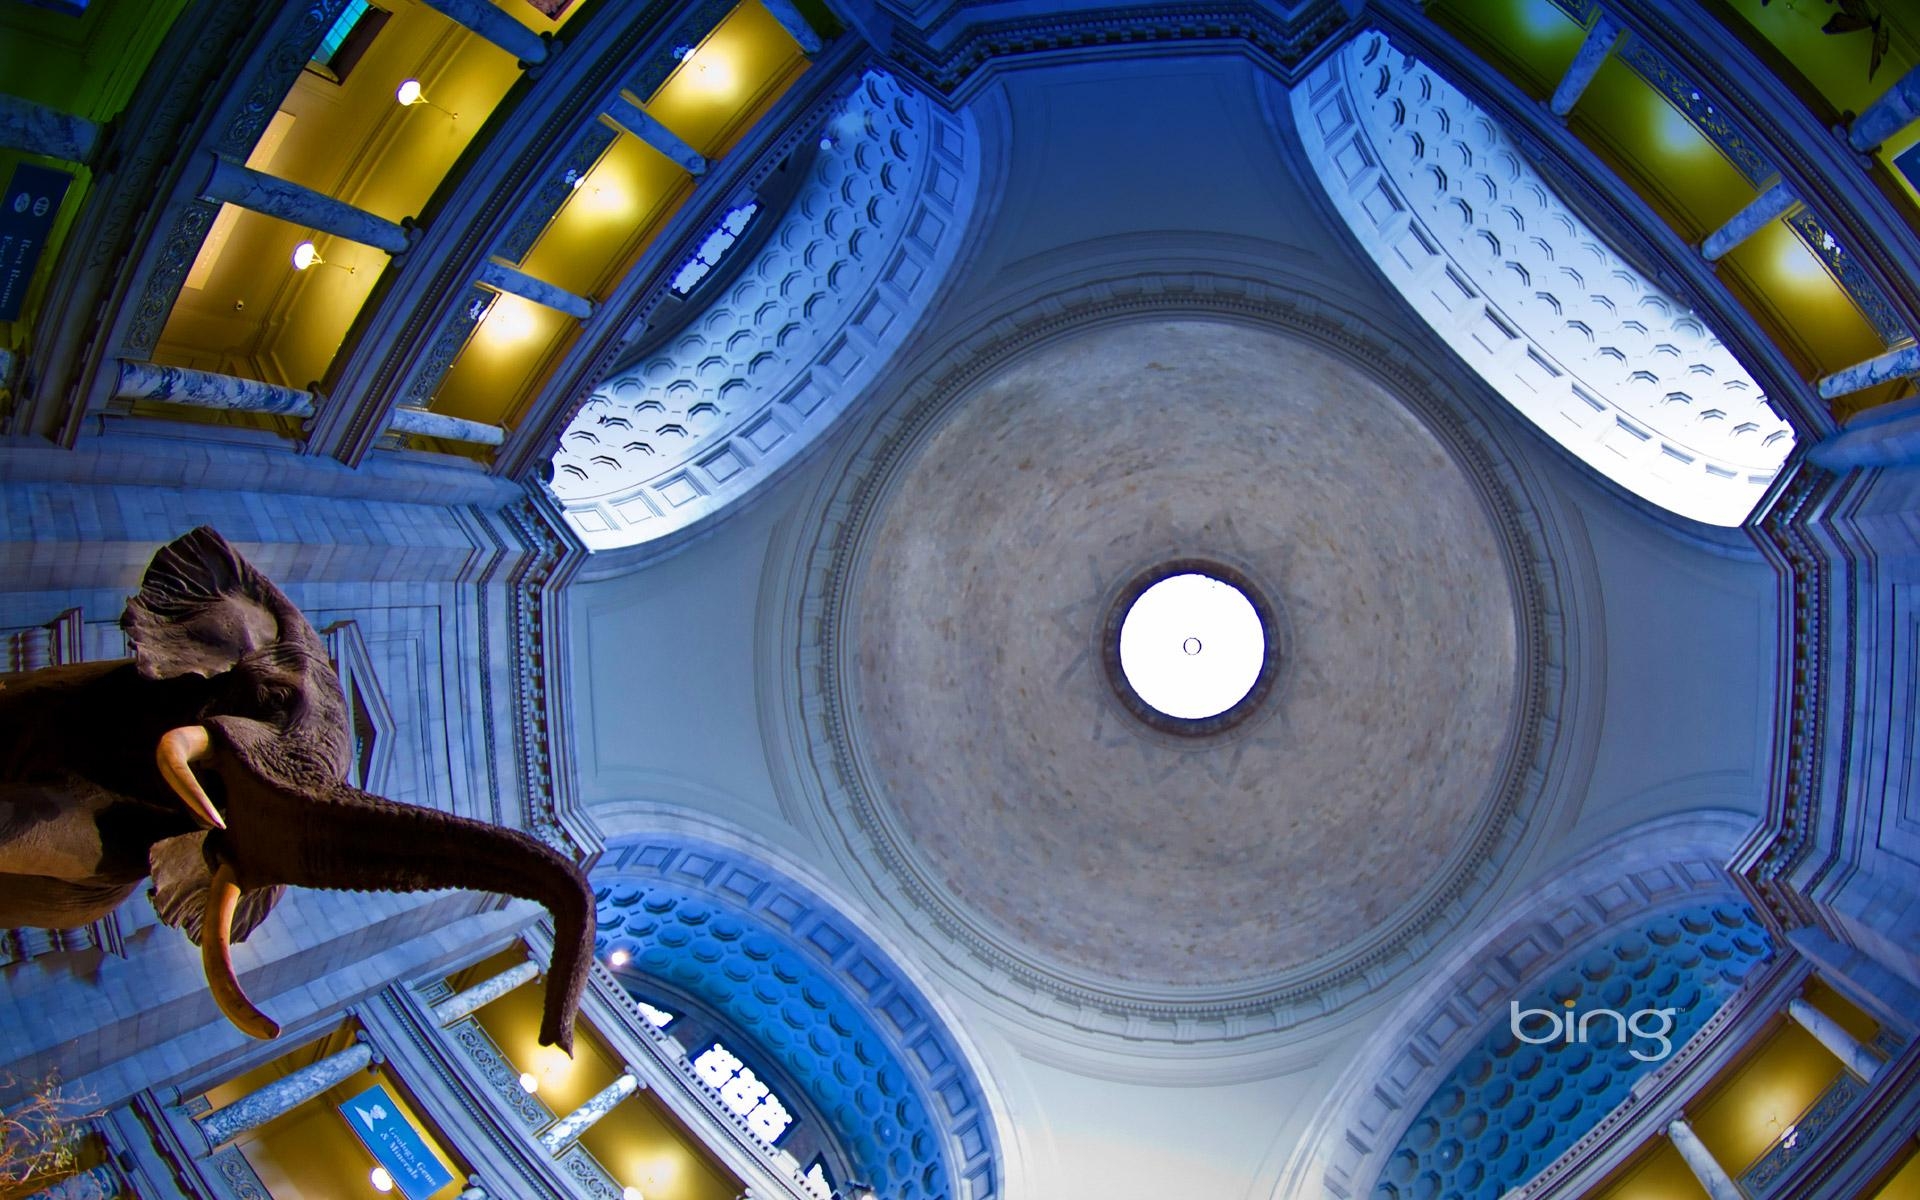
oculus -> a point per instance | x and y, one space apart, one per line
1190 647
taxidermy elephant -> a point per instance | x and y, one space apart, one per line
215 760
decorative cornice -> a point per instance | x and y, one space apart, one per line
535 603
1786 833
1110 1006
1284 42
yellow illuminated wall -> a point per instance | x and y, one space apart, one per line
722 87
1657 1173
504 360
1533 40
1809 313
603 224
311 1153
1905 1183
245 310
1753 1105
639 1144
1654 146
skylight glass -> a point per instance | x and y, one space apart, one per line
1192 646
743 1092
714 247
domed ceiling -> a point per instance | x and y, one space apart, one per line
991 760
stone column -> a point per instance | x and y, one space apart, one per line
283 1095
631 118
234 183
484 993
1587 62
1888 115
35 129
204 389
581 1119
1861 376
1852 1055
418 421
790 20
1772 203
494 25
1707 1169
525 286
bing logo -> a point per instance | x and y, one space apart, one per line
1569 1027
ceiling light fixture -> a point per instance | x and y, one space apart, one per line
382 1179
529 1083
306 255
619 958
410 93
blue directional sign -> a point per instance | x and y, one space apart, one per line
27 209
392 1139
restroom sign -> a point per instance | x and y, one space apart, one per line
27 210
392 1139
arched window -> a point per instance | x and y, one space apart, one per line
1617 371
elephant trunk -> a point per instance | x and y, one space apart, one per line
358 842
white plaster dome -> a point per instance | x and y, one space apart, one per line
1015 792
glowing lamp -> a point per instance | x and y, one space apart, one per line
619 958
410 93
382 1180
305 255
528 1082
631 1193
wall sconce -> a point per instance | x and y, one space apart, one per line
306 255
529 1082
382 1179
619 958
410 93
631 1193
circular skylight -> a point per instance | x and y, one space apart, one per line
1192 646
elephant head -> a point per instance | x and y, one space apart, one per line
248 749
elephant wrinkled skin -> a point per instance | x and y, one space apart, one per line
215 761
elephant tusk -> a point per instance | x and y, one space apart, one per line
216 958
178 748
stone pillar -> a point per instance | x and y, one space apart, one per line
1852 1055
484 993
420 422
234 183
1772 203
34 129
581 1119
204 389
1707 1169
631 118
1861 376
525 286
790 20
1587 62
494 25
283 1095
1888 115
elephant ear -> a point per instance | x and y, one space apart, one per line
201 607
181 878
